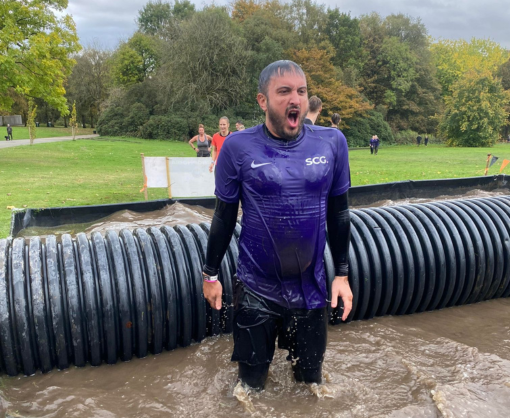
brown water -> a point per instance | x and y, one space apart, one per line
451 363
170 215
183 214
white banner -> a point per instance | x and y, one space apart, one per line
189 176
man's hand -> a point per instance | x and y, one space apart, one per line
340 288
213 292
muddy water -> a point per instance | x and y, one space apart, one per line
179 213
171 215
451 363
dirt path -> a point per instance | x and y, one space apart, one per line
19 142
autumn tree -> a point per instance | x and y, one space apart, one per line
475 112
454 58
36 43
323 82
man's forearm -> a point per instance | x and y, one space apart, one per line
222 228
339 232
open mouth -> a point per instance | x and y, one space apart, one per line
293 118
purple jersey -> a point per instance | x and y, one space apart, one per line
284 188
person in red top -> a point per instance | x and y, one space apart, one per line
218 139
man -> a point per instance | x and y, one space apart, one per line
291 181
315 108
9 133
418 139
377 142
217 141
372 143
426 141
240 125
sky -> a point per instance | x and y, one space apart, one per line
106 22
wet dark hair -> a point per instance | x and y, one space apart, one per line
278 68
335 118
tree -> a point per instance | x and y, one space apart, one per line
32 110
35 50
88 84
136 60
207 72
475 112
323 82
154 16
455 58
344 34
73 123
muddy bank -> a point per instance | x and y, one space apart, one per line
454 363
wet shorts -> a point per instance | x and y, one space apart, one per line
258 322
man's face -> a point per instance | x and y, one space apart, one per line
224 126
286 104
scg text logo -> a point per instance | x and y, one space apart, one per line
316 160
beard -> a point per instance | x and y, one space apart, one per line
279 122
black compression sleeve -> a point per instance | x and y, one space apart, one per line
222 228
339 232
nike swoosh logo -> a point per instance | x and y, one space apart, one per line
253 165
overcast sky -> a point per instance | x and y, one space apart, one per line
108 21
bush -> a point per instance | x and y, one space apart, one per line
165 127
361 130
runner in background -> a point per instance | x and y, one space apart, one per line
335 120
203 147
217 141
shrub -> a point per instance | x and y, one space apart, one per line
361 130
165 127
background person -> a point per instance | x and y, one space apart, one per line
203 146
372 144
218 139
377 142
9 133
314 110
240 126
281 167
426 141
418 140
335 120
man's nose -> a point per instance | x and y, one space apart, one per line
295 99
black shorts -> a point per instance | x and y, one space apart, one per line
258 321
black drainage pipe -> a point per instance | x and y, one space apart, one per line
99 299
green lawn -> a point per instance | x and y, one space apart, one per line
108 170
20 132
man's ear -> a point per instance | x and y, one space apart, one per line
262 101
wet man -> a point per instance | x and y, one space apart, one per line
315 109
292 181
217 141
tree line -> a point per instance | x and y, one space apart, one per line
184 66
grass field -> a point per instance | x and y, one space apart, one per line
20 132
108 170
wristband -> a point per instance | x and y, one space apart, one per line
209 279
